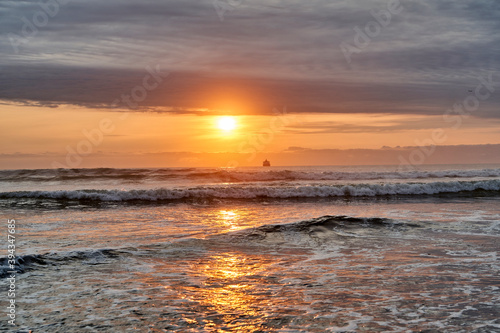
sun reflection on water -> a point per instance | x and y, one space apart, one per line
229 291
229 219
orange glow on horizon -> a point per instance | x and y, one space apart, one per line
213 140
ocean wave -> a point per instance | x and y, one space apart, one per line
224 175
235 191
328 226
41 175
309 232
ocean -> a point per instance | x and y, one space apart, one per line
278 249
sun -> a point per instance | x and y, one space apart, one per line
226 123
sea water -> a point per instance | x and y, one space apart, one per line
280 249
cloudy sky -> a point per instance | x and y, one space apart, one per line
353 74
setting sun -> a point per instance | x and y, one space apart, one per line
227 123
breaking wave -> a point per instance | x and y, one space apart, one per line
235 191
330 228
224 175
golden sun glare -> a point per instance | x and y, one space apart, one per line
226 123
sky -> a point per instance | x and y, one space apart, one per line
125 83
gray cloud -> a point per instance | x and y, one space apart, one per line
270 52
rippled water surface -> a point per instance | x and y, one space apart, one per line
397 263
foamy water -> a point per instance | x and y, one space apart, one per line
321 249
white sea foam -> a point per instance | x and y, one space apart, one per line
254 191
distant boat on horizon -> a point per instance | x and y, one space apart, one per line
266 163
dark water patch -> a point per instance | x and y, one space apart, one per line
32 262
336 222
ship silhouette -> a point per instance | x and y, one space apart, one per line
266 163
